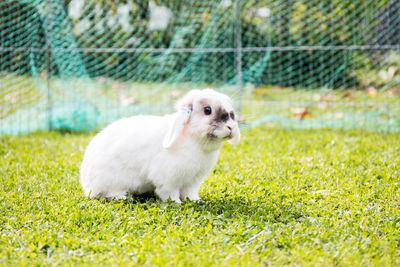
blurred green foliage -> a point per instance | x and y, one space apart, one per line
72 24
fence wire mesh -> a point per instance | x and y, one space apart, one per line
77 65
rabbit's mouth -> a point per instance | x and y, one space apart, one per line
214 136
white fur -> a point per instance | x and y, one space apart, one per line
168 155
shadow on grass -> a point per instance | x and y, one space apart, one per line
231 207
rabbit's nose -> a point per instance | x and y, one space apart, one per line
229 127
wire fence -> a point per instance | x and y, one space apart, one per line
77 65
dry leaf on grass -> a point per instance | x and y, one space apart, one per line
393 92
347 94
12 97
372 91
387 75
301 113
126 101
258 92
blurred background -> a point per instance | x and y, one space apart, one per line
77 65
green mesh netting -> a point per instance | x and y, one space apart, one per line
80 64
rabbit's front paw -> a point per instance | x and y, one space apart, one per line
166 194
191 192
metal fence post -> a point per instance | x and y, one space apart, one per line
48 65
238 49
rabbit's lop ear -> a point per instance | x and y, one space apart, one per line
176 128
185 108
235 137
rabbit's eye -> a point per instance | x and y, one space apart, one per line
207 110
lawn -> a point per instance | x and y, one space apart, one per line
305 197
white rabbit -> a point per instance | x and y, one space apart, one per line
169 155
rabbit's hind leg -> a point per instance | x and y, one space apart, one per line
115 195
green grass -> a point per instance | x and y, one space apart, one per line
320 198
